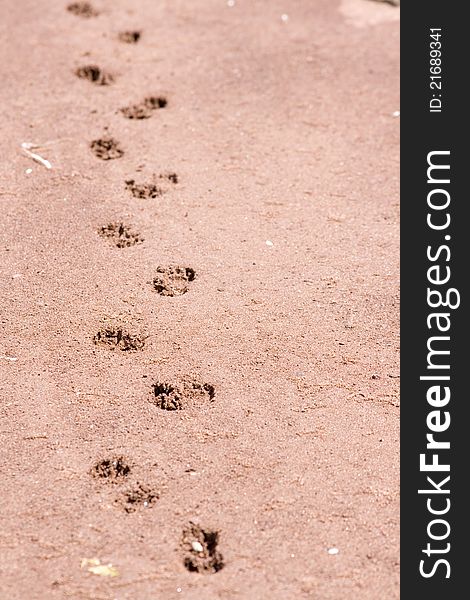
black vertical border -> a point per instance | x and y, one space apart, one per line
421 133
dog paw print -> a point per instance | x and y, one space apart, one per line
173 280
144 109
200 549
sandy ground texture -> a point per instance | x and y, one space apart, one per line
199 349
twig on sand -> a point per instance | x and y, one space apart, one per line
27 147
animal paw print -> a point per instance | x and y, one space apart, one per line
178 396
144 109
111 469
106 149
200 547
173 280
82 9
120 234
117 338
129 37
95 75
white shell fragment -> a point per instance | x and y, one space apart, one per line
197 547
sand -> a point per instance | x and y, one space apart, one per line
199 368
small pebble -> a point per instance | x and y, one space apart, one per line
333 551
284 18
269 243
28 171
396 114
197 547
